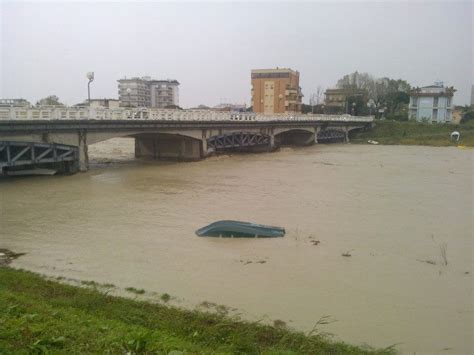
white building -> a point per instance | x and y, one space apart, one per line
230 107
14 103
146 92
433 104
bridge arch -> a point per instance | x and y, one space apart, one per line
293 136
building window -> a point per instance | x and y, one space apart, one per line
435 101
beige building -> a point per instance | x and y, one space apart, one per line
276 91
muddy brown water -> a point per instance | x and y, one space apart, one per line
393 209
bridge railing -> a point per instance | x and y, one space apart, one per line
86 113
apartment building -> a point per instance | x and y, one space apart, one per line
147 92
337 100
14 103
433 104
276 91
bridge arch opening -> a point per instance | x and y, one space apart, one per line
294 137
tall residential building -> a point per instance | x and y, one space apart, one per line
146 92
433 104
276 91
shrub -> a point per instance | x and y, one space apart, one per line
468 117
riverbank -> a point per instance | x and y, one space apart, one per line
412 133
43 315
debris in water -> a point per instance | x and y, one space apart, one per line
431 262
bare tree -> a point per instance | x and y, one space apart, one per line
312 101
319 95
316 98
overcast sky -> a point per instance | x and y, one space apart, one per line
210 48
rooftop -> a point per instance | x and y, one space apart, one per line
149 80
276 70
433 90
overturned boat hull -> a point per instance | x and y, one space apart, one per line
237 229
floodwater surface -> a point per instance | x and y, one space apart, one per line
402 216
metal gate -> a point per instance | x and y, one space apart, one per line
331 135
24 153
238 140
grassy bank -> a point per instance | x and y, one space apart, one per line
43 316
412 133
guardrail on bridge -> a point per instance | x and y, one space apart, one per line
86 113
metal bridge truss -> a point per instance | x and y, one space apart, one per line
238 140
331 135
24 153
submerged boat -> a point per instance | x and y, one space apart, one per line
237 229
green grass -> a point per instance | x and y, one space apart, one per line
412 133
45 316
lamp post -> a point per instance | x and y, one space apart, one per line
90 76
370 106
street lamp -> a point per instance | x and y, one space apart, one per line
90 76
370 106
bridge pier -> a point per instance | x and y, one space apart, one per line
203 143
346 133
316 132
83 151
169 147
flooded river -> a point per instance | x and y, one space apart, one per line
403 214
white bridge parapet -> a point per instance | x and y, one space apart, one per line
86 113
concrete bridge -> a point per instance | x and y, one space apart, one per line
60 136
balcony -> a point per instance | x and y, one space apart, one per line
292 102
